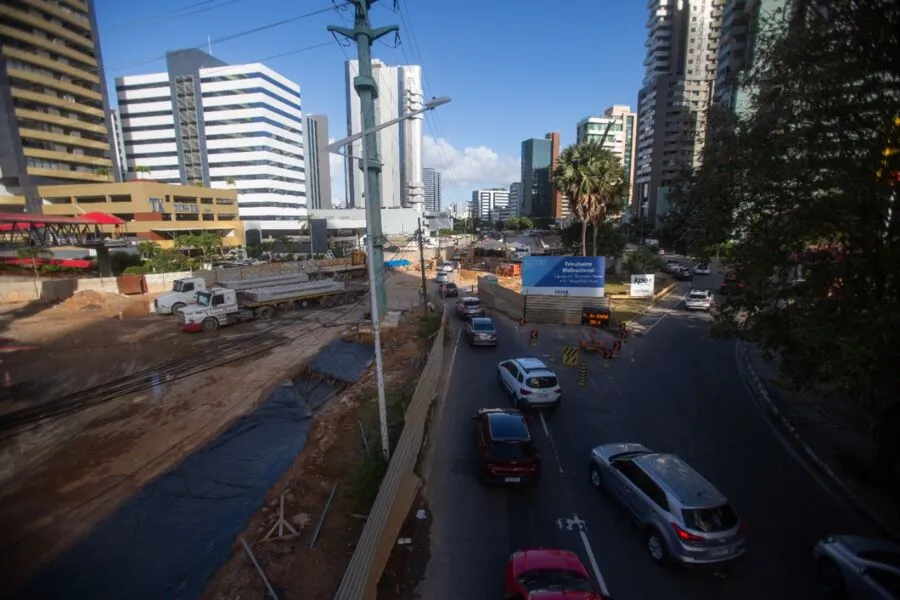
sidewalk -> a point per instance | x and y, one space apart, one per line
833 435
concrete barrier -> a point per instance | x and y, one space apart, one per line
52 290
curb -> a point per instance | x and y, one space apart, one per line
856 502
661 295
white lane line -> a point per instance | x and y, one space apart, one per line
664 315
552 443
593 559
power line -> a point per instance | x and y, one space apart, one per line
237 35
171 15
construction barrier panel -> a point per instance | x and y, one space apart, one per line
570 356
397 492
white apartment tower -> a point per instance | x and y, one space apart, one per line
488 204
680 72
204 121
399 147
433 189
619 125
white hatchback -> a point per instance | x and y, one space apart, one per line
447 268
530 383
698 300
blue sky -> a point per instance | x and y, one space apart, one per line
514 69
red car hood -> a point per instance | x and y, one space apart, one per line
531 560
565 596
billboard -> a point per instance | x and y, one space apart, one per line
642 286
563 276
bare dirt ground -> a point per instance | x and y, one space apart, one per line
342 450
83 466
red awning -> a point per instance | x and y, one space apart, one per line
59 262
102 218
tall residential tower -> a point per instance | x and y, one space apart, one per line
433 189
318 163
680 71
619 124
206 122
54 117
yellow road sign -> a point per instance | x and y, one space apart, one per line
570 356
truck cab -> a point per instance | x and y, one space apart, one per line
184 292
211 310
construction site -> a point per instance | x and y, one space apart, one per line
126 442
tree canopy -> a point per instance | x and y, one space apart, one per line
803 191
593 179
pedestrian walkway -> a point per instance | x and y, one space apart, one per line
836 434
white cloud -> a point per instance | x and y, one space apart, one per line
473 167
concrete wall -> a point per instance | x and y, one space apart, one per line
51 290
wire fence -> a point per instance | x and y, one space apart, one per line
398 489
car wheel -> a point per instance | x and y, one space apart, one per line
656 545
597 478
176 307
831 579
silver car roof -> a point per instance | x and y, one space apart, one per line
690 488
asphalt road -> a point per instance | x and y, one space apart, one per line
673 390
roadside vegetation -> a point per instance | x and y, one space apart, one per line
799 192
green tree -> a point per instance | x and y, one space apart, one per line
593 178
102 172
525 223
642 260
208 242
807 192
148 250
142 170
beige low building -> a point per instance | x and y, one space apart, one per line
156 212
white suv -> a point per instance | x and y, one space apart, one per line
698 300
530 383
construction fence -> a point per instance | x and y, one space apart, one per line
398 489
559 310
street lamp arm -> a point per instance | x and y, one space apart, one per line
430 105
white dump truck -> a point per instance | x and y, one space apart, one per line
221 307
184 291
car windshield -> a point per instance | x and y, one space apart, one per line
541 382
203 298
483 326
450 286
709 520
555 580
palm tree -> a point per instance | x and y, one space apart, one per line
230 182
593 179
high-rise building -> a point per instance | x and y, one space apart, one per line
489 204
219 125
399 147
54 117
540 198
618 123
680 69
515 199
433 189
318 165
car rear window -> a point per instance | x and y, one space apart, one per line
730 277
451 286
541 382
484 326
508 450
697 295
472 303
709 520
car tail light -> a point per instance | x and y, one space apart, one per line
526 392
558 390
685 536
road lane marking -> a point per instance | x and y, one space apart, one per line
552 443
664 315
452 362
575 523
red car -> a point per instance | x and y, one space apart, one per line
731 284
545 574
506 448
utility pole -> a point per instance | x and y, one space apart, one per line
422 268
364 84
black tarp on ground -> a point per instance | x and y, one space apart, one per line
170 539
342 360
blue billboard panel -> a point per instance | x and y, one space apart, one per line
563 276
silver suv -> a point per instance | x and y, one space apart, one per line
684 518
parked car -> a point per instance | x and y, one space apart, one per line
506 449
858 568
447 268
731 284
481 332
442 277
449 290
530 383
698 300
684 518
547 573
671 266
469 307
701 269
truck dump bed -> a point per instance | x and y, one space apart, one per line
287 292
